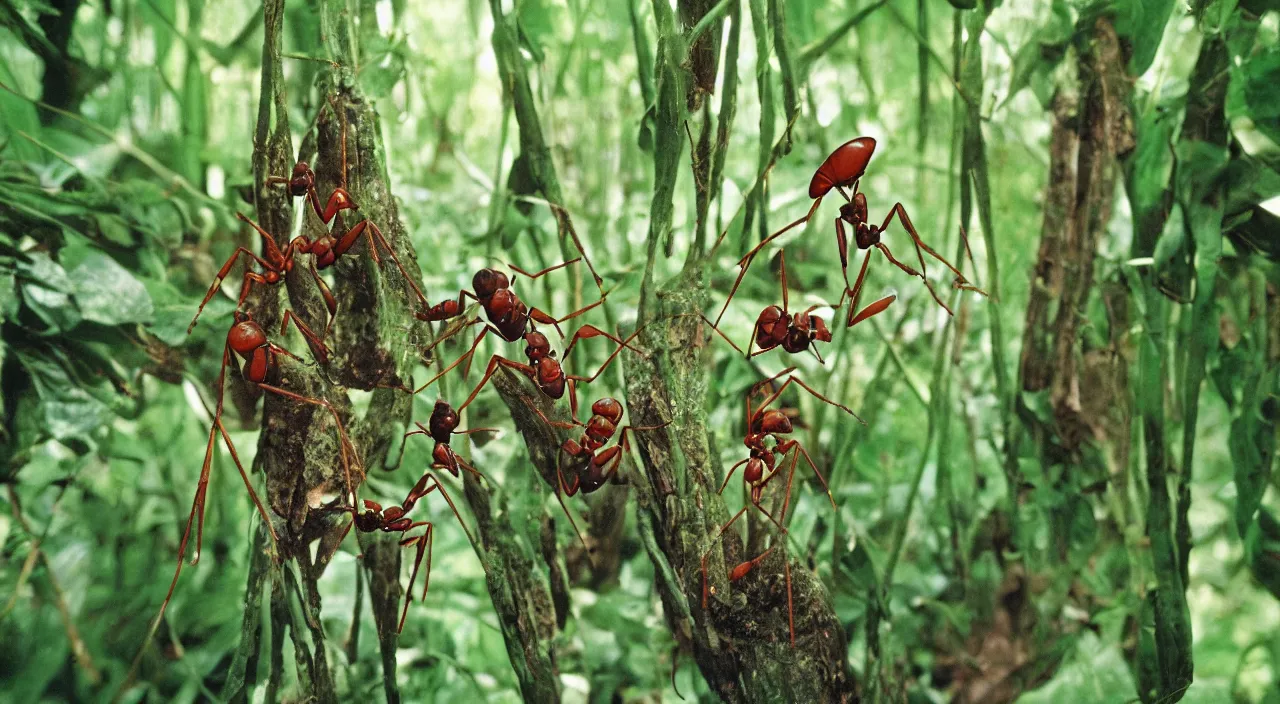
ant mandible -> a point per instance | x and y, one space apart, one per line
778 327
842 169
766 440
325 250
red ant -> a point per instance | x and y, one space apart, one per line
591 463
844 168
302 183
543 367
441 426
394 519
261 363
325 250
513 320
766 440
794 332
508 315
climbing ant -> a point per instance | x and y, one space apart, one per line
843 168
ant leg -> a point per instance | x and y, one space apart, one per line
544 272
723 336
566 425
436 484
715 538
494 362
874 309
793 379
376 239
315 342
813 209
269 241
609 360
901 212
424 546
564 489
743 569
448 332
546 319
564 224
745 262
463 464
246 286
855 293
330 302
729 476
344 442
881 246
589 331
782 274
468 355
842 244
807 458
222 274
624 444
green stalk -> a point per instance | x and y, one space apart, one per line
758 197
879 597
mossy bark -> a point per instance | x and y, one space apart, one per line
740 641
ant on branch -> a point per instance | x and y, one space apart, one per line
767 440
441 426
248 340
507 314
793 332
591 464
325 250
302 183
842 169
394 519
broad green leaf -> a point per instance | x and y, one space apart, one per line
106 293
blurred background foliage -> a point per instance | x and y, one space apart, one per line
1062 493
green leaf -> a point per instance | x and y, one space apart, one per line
106 293
71 414
1095 671
46 293
1143 23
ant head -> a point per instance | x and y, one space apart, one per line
754 471
775 422
487 282
800 324
245 337
608 408
444 420
537 346
303 179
